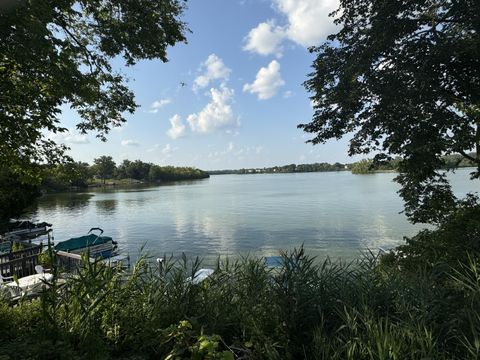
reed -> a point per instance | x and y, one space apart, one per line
306 309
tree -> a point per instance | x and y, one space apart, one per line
364 166
402 77
14 195
123 170
104 167
55 53
64 176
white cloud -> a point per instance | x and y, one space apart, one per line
213 69
308 20
265 39
217 114
177 128
233 152
267 81
287 94
152 149
130 143
77 139
158 104
167 149
307 24
69 137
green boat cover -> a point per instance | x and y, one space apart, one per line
82 242
5 247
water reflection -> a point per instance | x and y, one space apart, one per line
332 214
64 201
107 206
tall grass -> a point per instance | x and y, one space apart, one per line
306 309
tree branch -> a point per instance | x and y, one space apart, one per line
469 157
88 54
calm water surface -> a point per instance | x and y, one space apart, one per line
336 214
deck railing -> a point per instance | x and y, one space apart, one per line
69 262
20 263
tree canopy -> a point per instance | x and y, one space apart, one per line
104 166
402 78
59 52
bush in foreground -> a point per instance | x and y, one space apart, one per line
306 309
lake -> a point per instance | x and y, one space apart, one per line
334 214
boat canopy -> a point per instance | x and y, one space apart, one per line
82 242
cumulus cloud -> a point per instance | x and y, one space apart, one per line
167 149
267 81
130 143
217 114
212 69
158 104
69 137
308 20
307 24
265 39
177 127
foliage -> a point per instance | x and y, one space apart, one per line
451 244
15 195
363 167
142 171
402 77
455 161
203 347
137 170
17 246
172 173
58 53
305 309
65 176
104 167
72 175
292 168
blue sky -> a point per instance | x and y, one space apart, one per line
243 67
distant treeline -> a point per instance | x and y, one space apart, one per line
364 166
292 168
104 169
367 166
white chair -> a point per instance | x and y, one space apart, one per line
11 287
30 284
5 279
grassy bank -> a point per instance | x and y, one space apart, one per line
304 310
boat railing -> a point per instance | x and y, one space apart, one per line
98 236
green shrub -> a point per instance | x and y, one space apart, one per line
450 245
305 309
